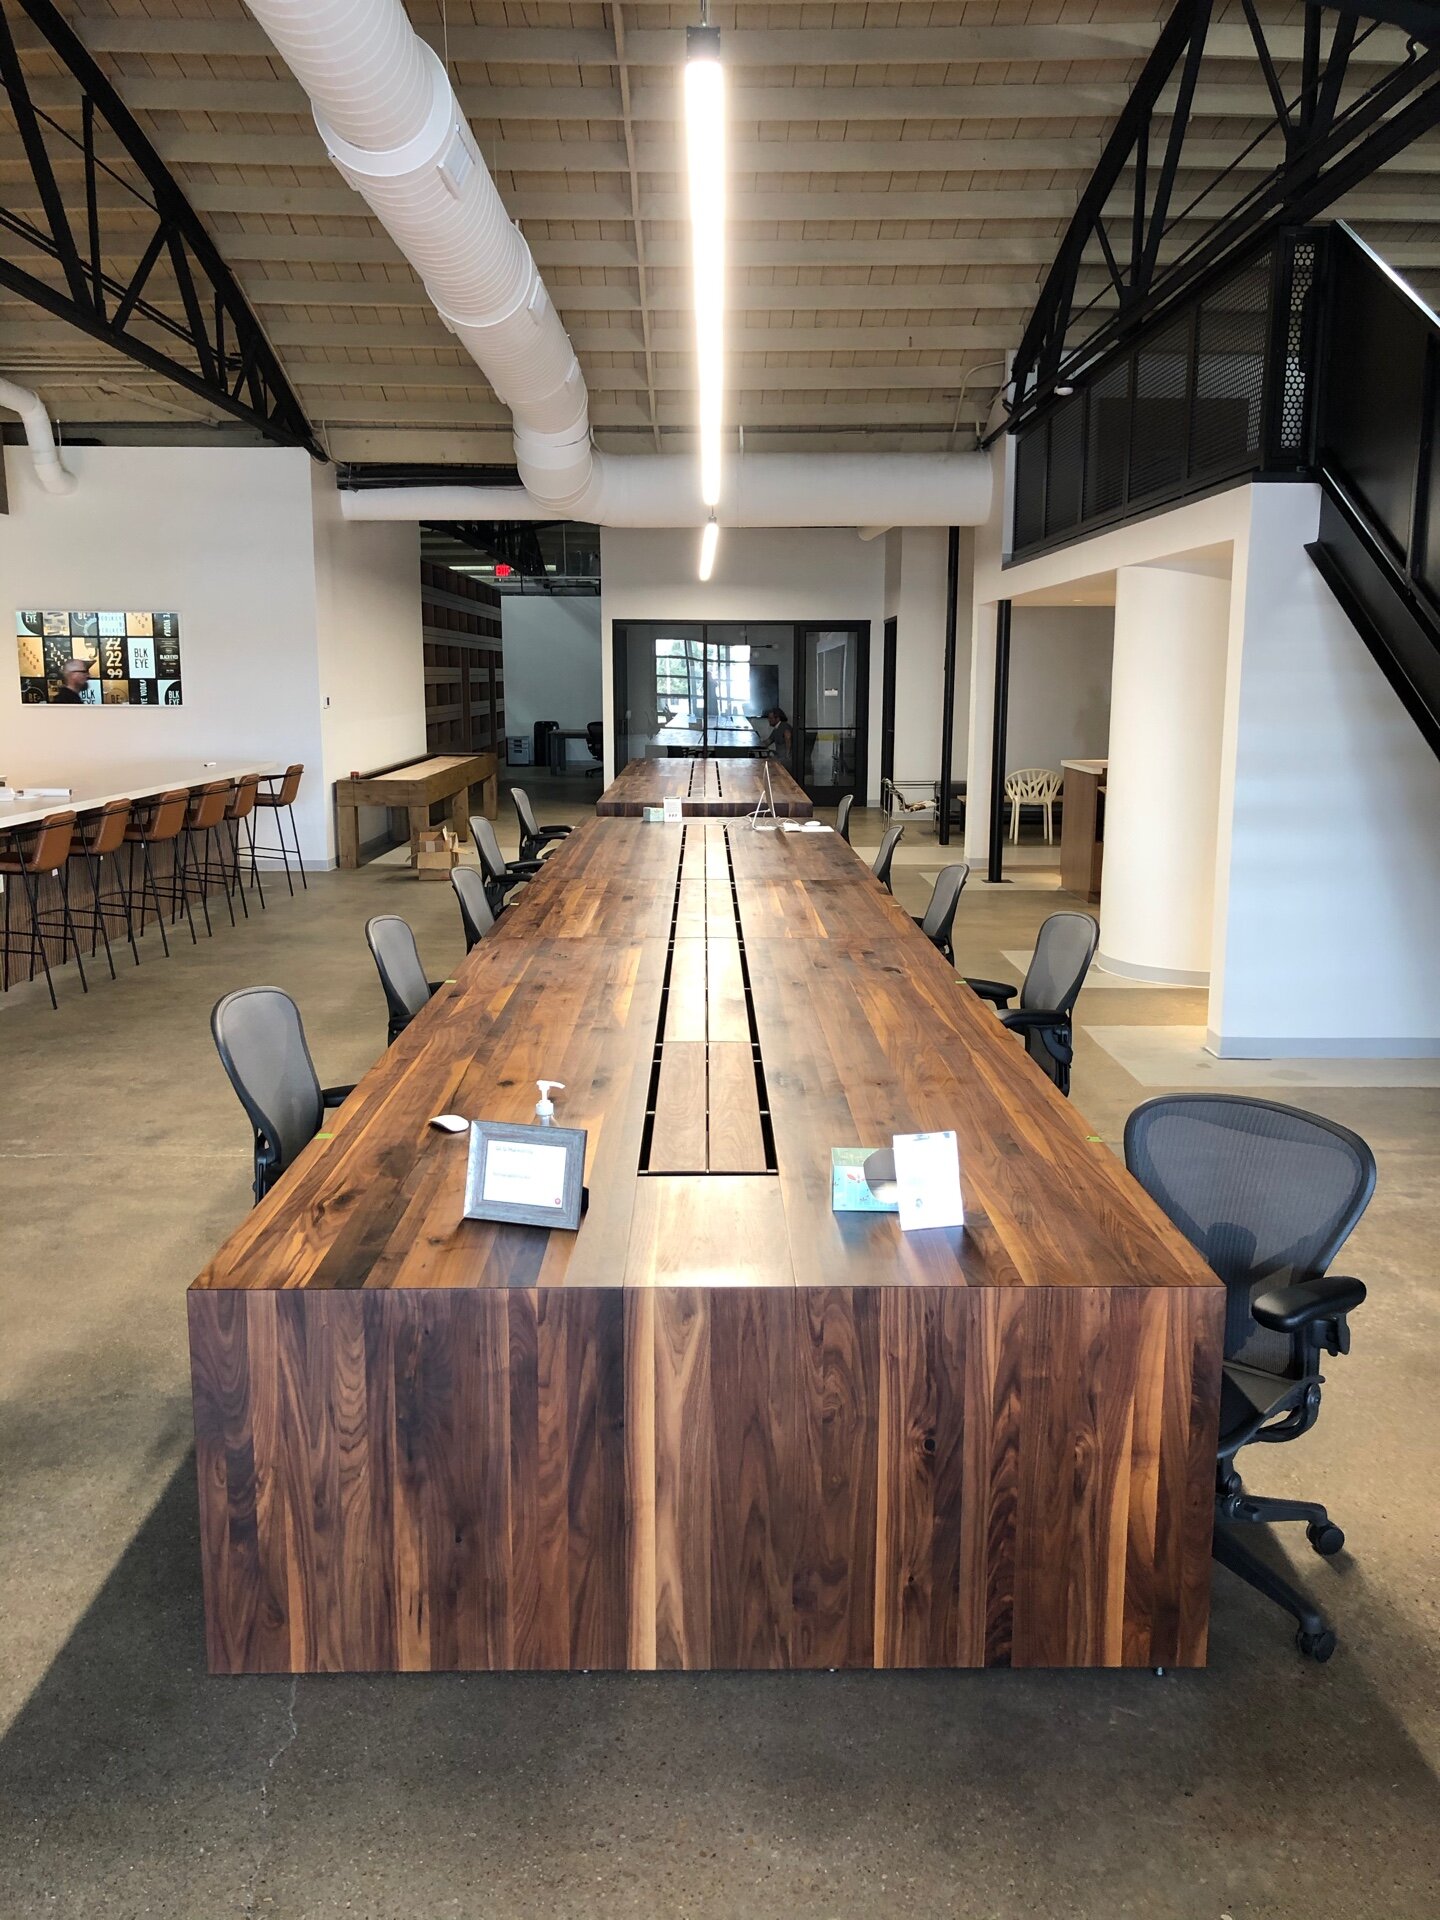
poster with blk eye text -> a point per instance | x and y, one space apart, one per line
114 658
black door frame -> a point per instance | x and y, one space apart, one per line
891 645
830 796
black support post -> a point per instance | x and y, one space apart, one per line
997 742
947 697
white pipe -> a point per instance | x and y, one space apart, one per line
760 490
52 475
390 120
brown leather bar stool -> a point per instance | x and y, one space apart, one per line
101 836
205 821
27 859
159 823
240 814
281 800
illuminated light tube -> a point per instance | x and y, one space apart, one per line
709 541
705 162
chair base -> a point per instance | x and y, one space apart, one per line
1315 1637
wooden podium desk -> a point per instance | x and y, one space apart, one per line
707 789
1082 827
721 1426
413 790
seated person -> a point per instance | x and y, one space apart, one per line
782 734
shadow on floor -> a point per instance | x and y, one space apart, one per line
131 1783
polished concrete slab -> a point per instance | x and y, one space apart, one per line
132 1784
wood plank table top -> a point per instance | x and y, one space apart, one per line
418 784
706 789
97 782
863 1031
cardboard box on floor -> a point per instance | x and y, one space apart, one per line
437 853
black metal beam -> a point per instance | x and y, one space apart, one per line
995 870
219 349
947 695
1328 150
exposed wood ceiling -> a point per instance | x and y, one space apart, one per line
899 177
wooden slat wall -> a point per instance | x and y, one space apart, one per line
464 664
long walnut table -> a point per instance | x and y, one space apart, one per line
706 789
721 1426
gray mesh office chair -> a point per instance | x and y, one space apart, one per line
1063 952
533 837
261 1043
883 859
397 960
475 914
842 817
938 919
502 876
1268 1195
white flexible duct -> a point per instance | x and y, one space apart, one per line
53 477
390 120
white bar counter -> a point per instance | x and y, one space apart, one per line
103 781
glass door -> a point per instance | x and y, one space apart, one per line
833 686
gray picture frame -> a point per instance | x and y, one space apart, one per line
566 1216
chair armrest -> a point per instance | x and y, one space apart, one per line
1287 1309
522 869
1032 1019
995 991
555 833
335 1096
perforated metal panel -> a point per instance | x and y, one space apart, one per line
1158 421
1296 380
1231 341
1107 440
1064 496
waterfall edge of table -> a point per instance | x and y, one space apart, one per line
721 1426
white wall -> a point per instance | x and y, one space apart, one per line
271 590
369 658
920 568
806 574
1060 661
1328 896
552 662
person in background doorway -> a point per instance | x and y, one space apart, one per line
74 687
782 734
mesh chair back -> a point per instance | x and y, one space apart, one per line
487 845
397 958
1061 960
475 914
262 1047
940 914
525 814
1266 1193
595 737
891 840
842 817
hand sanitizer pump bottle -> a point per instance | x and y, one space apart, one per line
545 1106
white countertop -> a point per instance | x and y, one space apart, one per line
1086 766
102 781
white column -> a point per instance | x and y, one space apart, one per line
1163 784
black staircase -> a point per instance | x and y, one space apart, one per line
1377 414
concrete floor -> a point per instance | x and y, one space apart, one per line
1263 1789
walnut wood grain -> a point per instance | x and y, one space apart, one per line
720 1425
707 789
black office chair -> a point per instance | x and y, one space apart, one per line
938 919
475 914
1269 1195
842 817
261 1043
595 741
533 837
397 960
884 858
1063 952
502 876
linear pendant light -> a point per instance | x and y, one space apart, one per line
709 541
705 160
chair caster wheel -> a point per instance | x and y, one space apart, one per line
1316 1646
1326 1539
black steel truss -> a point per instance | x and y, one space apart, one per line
215 347
1129 205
